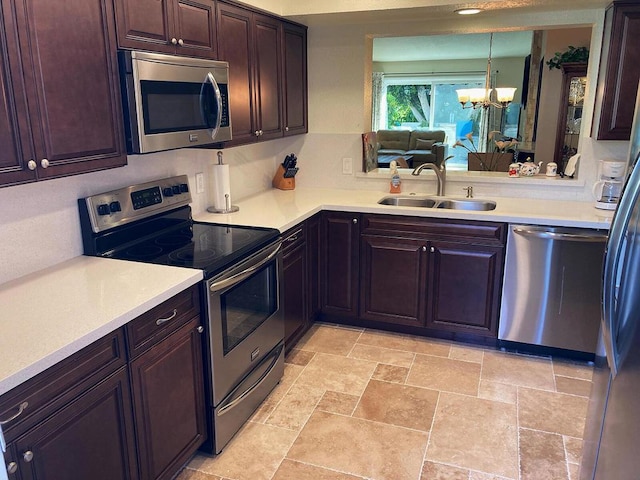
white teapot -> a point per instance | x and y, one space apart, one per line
529 169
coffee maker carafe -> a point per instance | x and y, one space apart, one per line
608 188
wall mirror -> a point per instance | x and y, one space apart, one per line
415 81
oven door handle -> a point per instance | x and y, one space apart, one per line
238 277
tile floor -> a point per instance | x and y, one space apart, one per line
363 404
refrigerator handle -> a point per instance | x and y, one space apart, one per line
614 258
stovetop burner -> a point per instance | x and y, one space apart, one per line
209 247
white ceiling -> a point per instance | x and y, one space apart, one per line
451 47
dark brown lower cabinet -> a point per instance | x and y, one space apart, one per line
466 282
169 409
90 438
393 280
294 283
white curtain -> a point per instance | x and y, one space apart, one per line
377 120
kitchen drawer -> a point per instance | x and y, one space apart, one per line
293 238
161 321
52 389
470 231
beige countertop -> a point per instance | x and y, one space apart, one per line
282 209
53 313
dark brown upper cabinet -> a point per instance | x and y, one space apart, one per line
621 67
295 79
251 43
67 69
180 27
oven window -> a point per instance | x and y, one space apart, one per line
247 305
171 106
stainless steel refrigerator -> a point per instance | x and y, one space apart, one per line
612 434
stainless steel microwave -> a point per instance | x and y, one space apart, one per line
173 102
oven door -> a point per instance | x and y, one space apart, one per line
245 319
175 102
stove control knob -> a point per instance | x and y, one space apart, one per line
167 192
103 209
184 188
175 189
115 207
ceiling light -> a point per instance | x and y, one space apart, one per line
481 97
468 11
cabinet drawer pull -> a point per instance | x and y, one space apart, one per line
160 321
28 456
21 408
294 236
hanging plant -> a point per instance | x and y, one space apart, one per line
573 55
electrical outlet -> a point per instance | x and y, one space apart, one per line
347 166
199 182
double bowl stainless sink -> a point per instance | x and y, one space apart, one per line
439 202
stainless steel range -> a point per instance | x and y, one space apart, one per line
152 223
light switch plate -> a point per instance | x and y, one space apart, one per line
199 182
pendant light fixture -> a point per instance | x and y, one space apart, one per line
481 97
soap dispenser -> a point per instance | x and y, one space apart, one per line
395 184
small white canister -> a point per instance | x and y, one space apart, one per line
514 170
552 169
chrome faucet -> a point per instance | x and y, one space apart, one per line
441 174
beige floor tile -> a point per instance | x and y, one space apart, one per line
438 471
299 357
255 453
542 456
403 405
573 449
574 386
290 470
500 392
574 471
445 374
328 339
291 373
296 407
189 474
521 370
390 373
574 369
408 343
552 412
337 373
387 356
360 447
340 403
486 476
475 433
467 353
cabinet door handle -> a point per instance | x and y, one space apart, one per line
174 41
21 408
160 321
200 329
432 249
32 165
355 221
286 129
181 42
28 456
424 249
257 132
44 162
12 468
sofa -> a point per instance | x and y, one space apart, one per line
424 146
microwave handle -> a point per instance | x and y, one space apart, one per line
218 99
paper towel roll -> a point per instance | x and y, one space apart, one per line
220 187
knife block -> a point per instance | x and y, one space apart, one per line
282 183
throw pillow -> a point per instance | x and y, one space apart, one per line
424 144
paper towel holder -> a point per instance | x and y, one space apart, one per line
230 208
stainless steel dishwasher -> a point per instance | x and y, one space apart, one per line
552 287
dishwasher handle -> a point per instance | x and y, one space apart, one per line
568 237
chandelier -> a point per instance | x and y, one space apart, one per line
481 97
